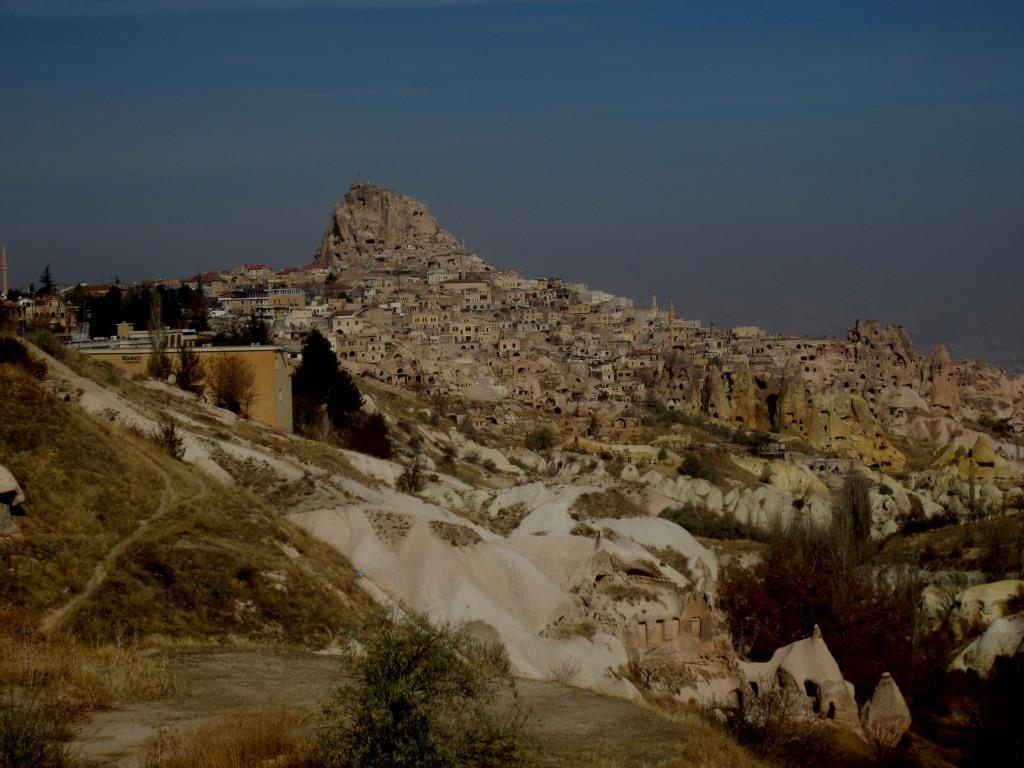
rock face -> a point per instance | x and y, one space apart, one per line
814 676
373 220
885 718
11 499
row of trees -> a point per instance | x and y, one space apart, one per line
183 307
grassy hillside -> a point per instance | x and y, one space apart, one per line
213 560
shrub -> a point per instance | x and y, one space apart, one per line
692 466
421 695
411 480
993 710
448 454
232 383
700 522
13 352
169 438
996 426
613 504
369 434
540 439
46 341
190 369
884 490
28 739
768 721
916 521
272 736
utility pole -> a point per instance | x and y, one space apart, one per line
4 281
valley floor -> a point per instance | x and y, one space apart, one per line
570 726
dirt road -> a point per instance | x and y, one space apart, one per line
213 682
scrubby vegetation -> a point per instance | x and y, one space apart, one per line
701 522
605 504
656 413
231 383
170 440
807 578
190 371
89 485
369 434
418 694
47 342
273 736
692 466
768 722
213 564
540 439
29 738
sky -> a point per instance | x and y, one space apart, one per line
794 165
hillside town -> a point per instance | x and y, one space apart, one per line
404 302
546 454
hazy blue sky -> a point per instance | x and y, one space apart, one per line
795 165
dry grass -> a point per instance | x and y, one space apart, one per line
627 593
607 504
674 559
88 675
965 547
221 562
87 484
455 534
275 737
507 519
225 565
698 744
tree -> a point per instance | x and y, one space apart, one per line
190 369
231 383
809 577
418 695
257 330
411 481
540 439
319 381
46 284
159 365
315 374
168 437
344 400
369 434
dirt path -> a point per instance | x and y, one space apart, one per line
212 682
55 617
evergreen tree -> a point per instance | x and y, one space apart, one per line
319 381
46 284
315 375
257 330
343 400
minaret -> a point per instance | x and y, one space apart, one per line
654 303
4 282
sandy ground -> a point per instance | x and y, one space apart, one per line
212 682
